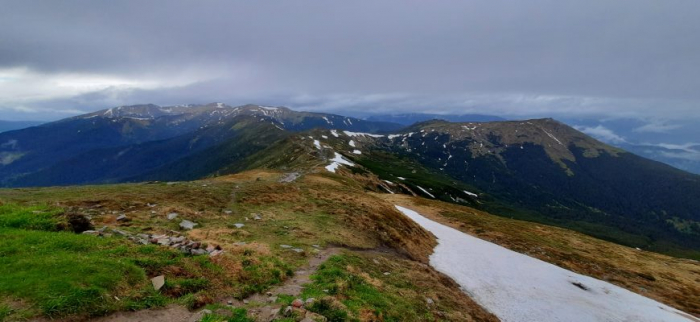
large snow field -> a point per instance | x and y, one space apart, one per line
516 287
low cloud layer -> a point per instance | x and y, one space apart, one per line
638 59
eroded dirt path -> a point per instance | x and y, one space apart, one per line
263 306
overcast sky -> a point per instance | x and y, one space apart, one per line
602 59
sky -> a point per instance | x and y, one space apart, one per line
602 60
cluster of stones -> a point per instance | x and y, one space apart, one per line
178 242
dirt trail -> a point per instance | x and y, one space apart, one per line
266 311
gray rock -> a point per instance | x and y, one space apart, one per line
172 215
91 232
228 212
429 301
257 217
239 225
286 246
186 224
310 300
198 251
158 282
122 217
287 311
298 250
272 299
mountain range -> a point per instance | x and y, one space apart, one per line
537 170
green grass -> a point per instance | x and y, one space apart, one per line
235 314
334 279
60 273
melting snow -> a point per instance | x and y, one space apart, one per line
391 136
516 287
471 194
270 108
334 133
317 144
426 192
323 136
553 137
401 178
348 133
356 151
352 143
337 161
327 121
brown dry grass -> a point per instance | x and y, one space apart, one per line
673 281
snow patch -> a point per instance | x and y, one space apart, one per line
325 137
356 151
516 287
334 133
348 133
471 194
337 161
317 144
426 192
352 143
553 137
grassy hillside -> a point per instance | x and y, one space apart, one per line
378 270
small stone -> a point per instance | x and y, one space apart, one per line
287 311
239 225
297 303
216 253
198 251
186 224
310 301
123 218
91 232
172 215
429 301
206 311
298 250
164 241
228 212
229 302
272 299
257 217
286 246
387 273
158 282
316 246
245 301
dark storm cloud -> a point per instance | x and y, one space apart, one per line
523 58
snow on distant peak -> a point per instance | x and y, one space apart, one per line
348 133
327 121
220 105
337 161
269 108
516 287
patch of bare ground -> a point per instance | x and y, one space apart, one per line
672 281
